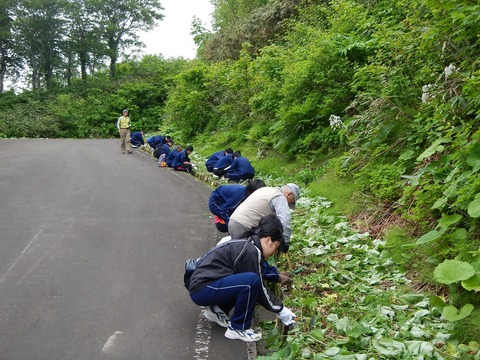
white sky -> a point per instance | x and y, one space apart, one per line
171 37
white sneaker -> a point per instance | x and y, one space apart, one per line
244 335
213 313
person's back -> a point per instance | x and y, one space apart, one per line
241 169
221 167
213 159
156 140
169 159
137 139
256 206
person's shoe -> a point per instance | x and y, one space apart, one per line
244 335
213 313
123 152
129 151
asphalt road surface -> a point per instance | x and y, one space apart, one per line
92 248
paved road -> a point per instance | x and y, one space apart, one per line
92 246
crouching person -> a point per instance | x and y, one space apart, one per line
230 277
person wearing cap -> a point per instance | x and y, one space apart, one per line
123 126
265 201
230 277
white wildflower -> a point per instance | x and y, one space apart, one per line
335 122
427 92
449 70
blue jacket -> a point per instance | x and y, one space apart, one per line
181 157
225 199
224 162
165 150
241 167
156 140
169 159
213 159
137 138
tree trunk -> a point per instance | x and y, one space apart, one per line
3 70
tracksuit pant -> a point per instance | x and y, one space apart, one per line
239 291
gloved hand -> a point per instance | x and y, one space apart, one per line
287 316
284 278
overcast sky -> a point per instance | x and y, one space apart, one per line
171 37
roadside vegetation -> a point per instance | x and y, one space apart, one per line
372 107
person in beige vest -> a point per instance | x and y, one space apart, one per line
123 126
264 201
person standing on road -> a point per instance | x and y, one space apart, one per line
230 276
123 126
264 201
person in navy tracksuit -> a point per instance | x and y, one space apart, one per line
213 159
230 278
137 139
169 159
164 151
241 169
225 199
221 167
182 160
154 141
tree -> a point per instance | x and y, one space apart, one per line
40 27
119 20
7 53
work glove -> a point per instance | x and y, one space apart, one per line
287 316
284 278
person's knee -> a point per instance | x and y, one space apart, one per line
253 279
222 227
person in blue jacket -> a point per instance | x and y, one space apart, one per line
163 152
169 159
221 166
137 139
213 159
230 278
182 161
241 169
155 140
226 198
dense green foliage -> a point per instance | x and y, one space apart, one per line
381 95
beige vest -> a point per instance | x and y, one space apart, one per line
255 207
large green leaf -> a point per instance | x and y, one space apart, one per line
451 313
389 347
473 159
472 283
451 271
437 302
474 207
430 236
434 148
420 348
448 220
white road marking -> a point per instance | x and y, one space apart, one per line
109 346
2 279
202 338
